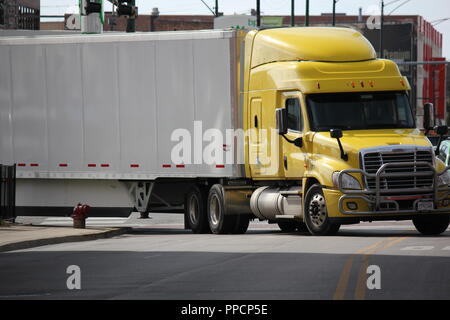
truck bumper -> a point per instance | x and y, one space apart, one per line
384 203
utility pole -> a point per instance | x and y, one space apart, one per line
307 14
131 21
258 13
292 13
334 12
382 20
381 29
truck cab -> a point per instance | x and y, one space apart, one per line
331 123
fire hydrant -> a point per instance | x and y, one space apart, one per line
79 215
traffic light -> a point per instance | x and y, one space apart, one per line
126 8
93 7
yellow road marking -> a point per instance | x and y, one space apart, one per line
360 289
345 274
343 280
372 246
390 244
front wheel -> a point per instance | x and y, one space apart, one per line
431 225
316 214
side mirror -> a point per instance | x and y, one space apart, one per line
281 118
441 130
298 142
336 133
428 116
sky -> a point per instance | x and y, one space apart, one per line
431 10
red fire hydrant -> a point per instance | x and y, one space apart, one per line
79 215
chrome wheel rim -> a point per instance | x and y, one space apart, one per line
214 210
317 210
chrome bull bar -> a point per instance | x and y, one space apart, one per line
376 197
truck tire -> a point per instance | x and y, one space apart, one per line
301 227
241 225
219 222
287 226
195 210
431 225
292 225
316 213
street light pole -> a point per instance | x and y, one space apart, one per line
382 20
381 29
307 14
131 21
292 13
334 12
216 9
258 14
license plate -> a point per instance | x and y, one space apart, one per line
425 205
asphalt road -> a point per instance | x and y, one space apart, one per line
160 260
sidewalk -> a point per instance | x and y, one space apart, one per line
18 236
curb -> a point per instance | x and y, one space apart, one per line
76 238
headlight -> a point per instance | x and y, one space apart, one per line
444 179
348 181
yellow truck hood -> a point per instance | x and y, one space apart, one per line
355 140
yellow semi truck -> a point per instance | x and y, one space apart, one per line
303 127
349 137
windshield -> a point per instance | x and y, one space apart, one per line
362 110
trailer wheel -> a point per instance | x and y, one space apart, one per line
195 211
431 225
316 214
219 222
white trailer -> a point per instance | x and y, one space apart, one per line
89 118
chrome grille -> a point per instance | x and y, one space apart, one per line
372 161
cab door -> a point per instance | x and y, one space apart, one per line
255 143
293 159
